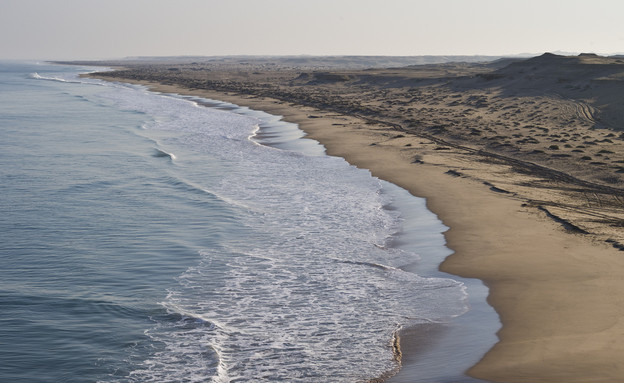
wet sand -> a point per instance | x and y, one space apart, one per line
500 153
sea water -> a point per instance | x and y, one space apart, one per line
149 238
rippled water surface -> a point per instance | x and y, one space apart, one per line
147 238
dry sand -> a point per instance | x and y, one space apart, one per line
542 232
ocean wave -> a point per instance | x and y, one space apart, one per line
72 78
159 153
191 187
307 320
37 76
179 350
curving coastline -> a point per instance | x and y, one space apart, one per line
553 290
469 334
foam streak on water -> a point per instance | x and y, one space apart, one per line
306 289
312 294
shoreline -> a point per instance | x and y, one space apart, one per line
434 351
565 334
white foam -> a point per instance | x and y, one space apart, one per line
72 78
313 292
163 153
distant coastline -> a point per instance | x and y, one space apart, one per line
499 150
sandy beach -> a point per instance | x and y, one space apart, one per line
523 160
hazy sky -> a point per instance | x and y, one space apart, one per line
90 29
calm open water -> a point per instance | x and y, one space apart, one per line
148 238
